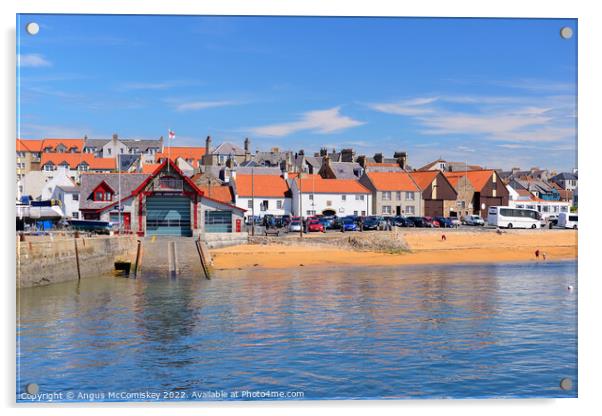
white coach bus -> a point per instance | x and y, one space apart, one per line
509 217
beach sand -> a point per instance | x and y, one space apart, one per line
427 247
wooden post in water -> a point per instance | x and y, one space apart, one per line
79 276
204 268
171 254
137 259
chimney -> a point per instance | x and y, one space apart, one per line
207 155
378 157
115 137
401 158
347 155
247 149
362 161
323 151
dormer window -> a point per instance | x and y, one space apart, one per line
103 193
61 148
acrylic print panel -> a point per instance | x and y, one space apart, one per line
295 208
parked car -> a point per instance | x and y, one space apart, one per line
431 222
286 219
349 224
328 222
371 223
295 226
418 222
315 225
474 220
444 222
400 221
455 221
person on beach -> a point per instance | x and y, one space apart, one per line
443 237
537 254
543 255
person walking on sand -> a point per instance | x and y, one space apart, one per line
537 254
443 237
543 255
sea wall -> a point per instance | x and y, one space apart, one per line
218 240
45 261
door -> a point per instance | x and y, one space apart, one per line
398 210
219 222
433 207
168 215
127 220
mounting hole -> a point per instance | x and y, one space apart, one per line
566 384
32 28
32 388
566 32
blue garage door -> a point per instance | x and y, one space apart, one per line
168 215
218 221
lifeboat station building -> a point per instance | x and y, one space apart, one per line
165 202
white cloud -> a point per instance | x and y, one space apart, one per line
498 118
321 121
32 60
202 105
412 107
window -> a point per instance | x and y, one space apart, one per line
495 190
409 196
386 209
344 197
99 196
546 208
363 213
109 150
311 197
386 196
398 195
564 209
48 167
264 205
311 212
359 197
121 150
75 214
461 204
279 204
328 203
75 197
354 212
250 203
410 209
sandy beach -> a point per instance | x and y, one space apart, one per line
425 247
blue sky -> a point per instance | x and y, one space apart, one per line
495 92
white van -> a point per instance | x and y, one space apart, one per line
568 220
509 217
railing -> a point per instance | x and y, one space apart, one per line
169 185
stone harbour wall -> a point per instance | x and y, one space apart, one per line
42 262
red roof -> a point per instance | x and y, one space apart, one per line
219 193
318 185
74 159
261 186
194 154
424 178
26 145
68 143
392 181
478 178
149 167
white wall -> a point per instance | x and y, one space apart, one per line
115 148
243 202
320 202
59 178
69 204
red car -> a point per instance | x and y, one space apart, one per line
433 223
315 225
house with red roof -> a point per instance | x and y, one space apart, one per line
488 190
436 190
393 193
75 163
261 194
312 195
163 202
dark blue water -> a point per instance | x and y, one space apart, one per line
474 331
